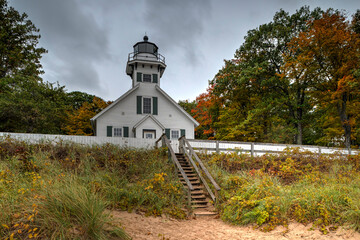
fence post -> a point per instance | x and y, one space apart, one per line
217 147
349 149
252 150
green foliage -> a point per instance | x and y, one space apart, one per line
67 191
19 37
293 80
272 190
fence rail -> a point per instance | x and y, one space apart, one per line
86 140
258 149
255 149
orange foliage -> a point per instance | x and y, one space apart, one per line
202 113
79 120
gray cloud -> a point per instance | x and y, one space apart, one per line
89 40
178 25
75 41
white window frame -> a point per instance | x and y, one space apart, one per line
143 105
115 129
173 131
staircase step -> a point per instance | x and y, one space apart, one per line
198 196
199 202
190 178
196 188
189 175
199 206
204 213
197 192
193 182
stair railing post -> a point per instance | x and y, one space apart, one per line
181 145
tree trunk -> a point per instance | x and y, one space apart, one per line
345 120
299 137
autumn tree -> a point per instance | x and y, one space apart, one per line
329 53
206 113
263 103
78 122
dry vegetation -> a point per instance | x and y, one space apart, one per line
62 191
272 190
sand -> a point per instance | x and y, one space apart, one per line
140 227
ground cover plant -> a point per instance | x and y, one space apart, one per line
67 191
272 190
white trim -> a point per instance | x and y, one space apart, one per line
143 104
196 123
146 117
117 127
177 130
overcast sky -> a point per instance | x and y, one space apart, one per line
89 40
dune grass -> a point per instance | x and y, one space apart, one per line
66 191
273 190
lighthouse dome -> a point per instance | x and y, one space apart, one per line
145 47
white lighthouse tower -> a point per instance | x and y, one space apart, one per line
145 64
145 111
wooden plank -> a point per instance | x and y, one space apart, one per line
199 174
192 153
173 157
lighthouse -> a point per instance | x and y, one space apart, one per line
145 64
146 110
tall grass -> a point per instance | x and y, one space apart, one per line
271 190
66 191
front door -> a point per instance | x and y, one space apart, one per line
149 134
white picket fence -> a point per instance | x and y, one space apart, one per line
258 149
255 149
86 140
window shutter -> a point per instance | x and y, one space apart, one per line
126 132
109 131
167 133
139 77
155 106
138 104
182 132
155 78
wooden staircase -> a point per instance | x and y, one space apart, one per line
199 201
194 176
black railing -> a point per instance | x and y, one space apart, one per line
153 57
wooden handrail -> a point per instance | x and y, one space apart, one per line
192 154
175 160
201 177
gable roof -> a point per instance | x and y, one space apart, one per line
145 118
114 103
134 89
196 123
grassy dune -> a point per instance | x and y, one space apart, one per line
273 190
62 191
65 191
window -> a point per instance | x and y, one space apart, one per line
149 133
175 134
146 78
147 105
117 132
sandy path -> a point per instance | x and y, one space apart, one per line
140 227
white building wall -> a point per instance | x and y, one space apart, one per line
148 124
124 114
